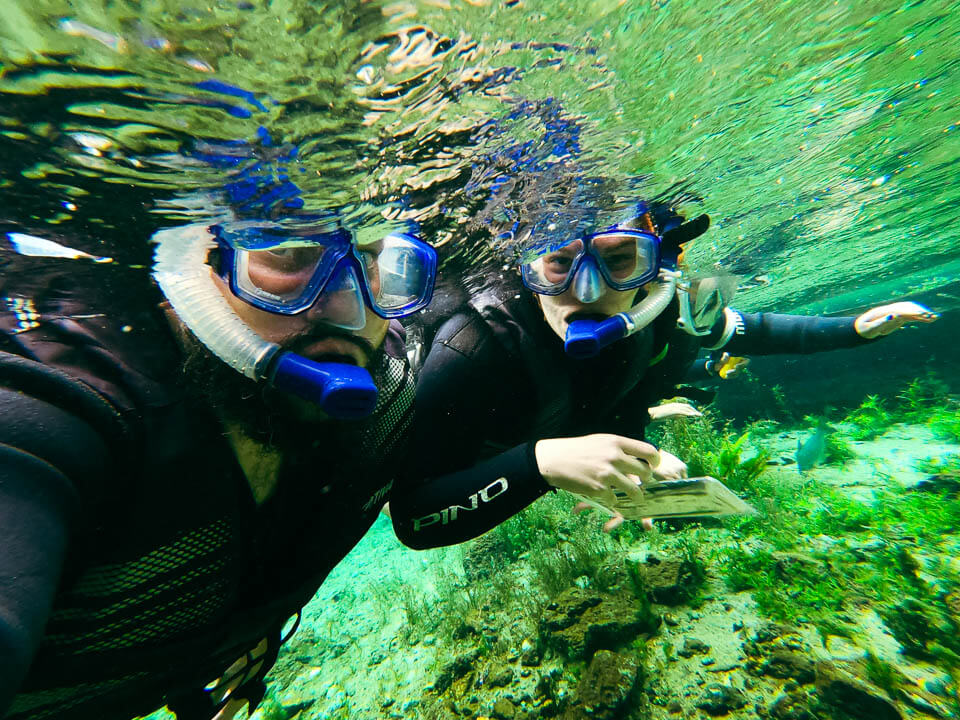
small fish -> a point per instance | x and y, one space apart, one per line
814 451
79 29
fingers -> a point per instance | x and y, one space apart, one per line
230 710
613 523
884 319
639 450
619 481
610 525
647 523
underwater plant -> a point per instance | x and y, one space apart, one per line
882 674
708 450
947 465
919 398
870 419
839 450
785 586
581 558
945 424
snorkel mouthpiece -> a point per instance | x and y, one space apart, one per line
344 392
585 338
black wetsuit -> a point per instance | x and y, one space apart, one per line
496 380
135 565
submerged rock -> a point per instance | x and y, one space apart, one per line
791 706
693 646
720 699
580 622
504 709
605 685
668 581
455 669
789 666
851 695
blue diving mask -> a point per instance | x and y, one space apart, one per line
288 272
619 258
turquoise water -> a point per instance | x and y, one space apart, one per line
822 138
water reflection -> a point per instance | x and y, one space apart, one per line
820 140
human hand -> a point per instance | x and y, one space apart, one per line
616 519
884 319
673 410
596 465
670 468
234 677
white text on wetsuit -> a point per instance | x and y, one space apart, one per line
448 515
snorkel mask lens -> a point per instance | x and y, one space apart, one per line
625 259
399 272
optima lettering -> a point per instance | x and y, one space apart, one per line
495 489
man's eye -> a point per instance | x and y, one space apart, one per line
282 252
558 262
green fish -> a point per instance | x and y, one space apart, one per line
814 451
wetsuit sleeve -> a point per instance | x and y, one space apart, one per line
775 334
697 372
46 457
451 490
463 505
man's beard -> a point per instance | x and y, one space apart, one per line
270 417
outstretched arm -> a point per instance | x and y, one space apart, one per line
467 468
742 333
456 485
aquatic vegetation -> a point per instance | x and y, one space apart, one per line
785 586
708 450
780 402
540 526
870 419
920 397
925 629
946 465
579 560
416 608
694 568
882 674
738 473
839 450
945 424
